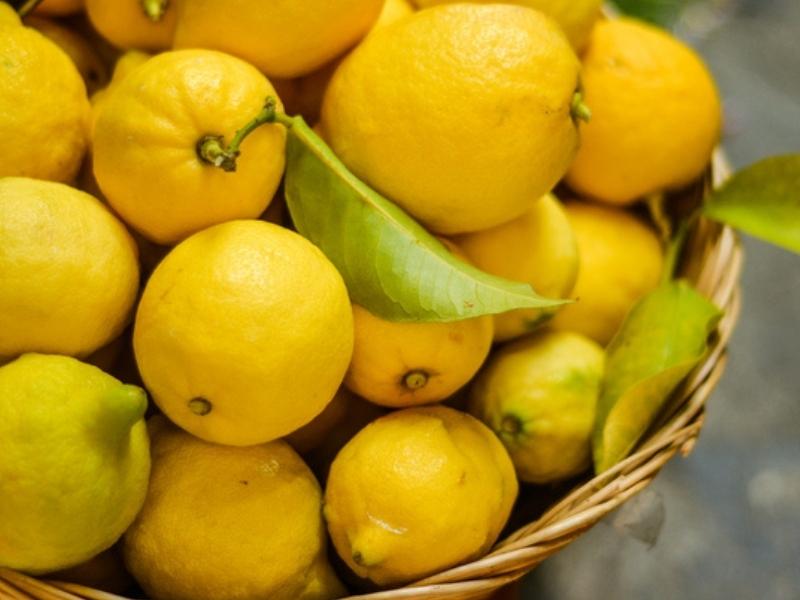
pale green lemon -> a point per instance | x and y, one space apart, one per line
74 461
539 395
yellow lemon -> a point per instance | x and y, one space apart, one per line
43 102
74 461
284 38
243 333
537 248
58 7
576 17
393 11
160 137
90 64
125 65
463 114
310 89
405 364
68 270
539 395
224 523
656 114
620 261
416 492
140 24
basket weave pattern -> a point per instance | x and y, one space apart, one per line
713 261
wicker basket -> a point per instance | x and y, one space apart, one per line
712 261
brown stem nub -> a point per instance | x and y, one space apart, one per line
511 425
200 406
155 9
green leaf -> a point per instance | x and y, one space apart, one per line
762 200
660 12
392 266
662 339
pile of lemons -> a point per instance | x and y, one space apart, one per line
138 251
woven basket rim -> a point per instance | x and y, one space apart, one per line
716 254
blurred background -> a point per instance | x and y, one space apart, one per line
724 523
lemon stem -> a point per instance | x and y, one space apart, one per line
155 9
414 380
579 110
212 149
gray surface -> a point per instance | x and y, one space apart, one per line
732 509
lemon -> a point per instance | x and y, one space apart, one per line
74 461
68 270
462 113
59 7
416 492
43 102
285 38
539 395
393 11
656 114
224 523
620 261
125 65
136 24
149 137
537 248
84 56
576 17
405 364
243 333
310 89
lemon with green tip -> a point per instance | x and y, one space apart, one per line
539 395
74 461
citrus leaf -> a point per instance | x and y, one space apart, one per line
762 200
662 339
392 266
658 12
